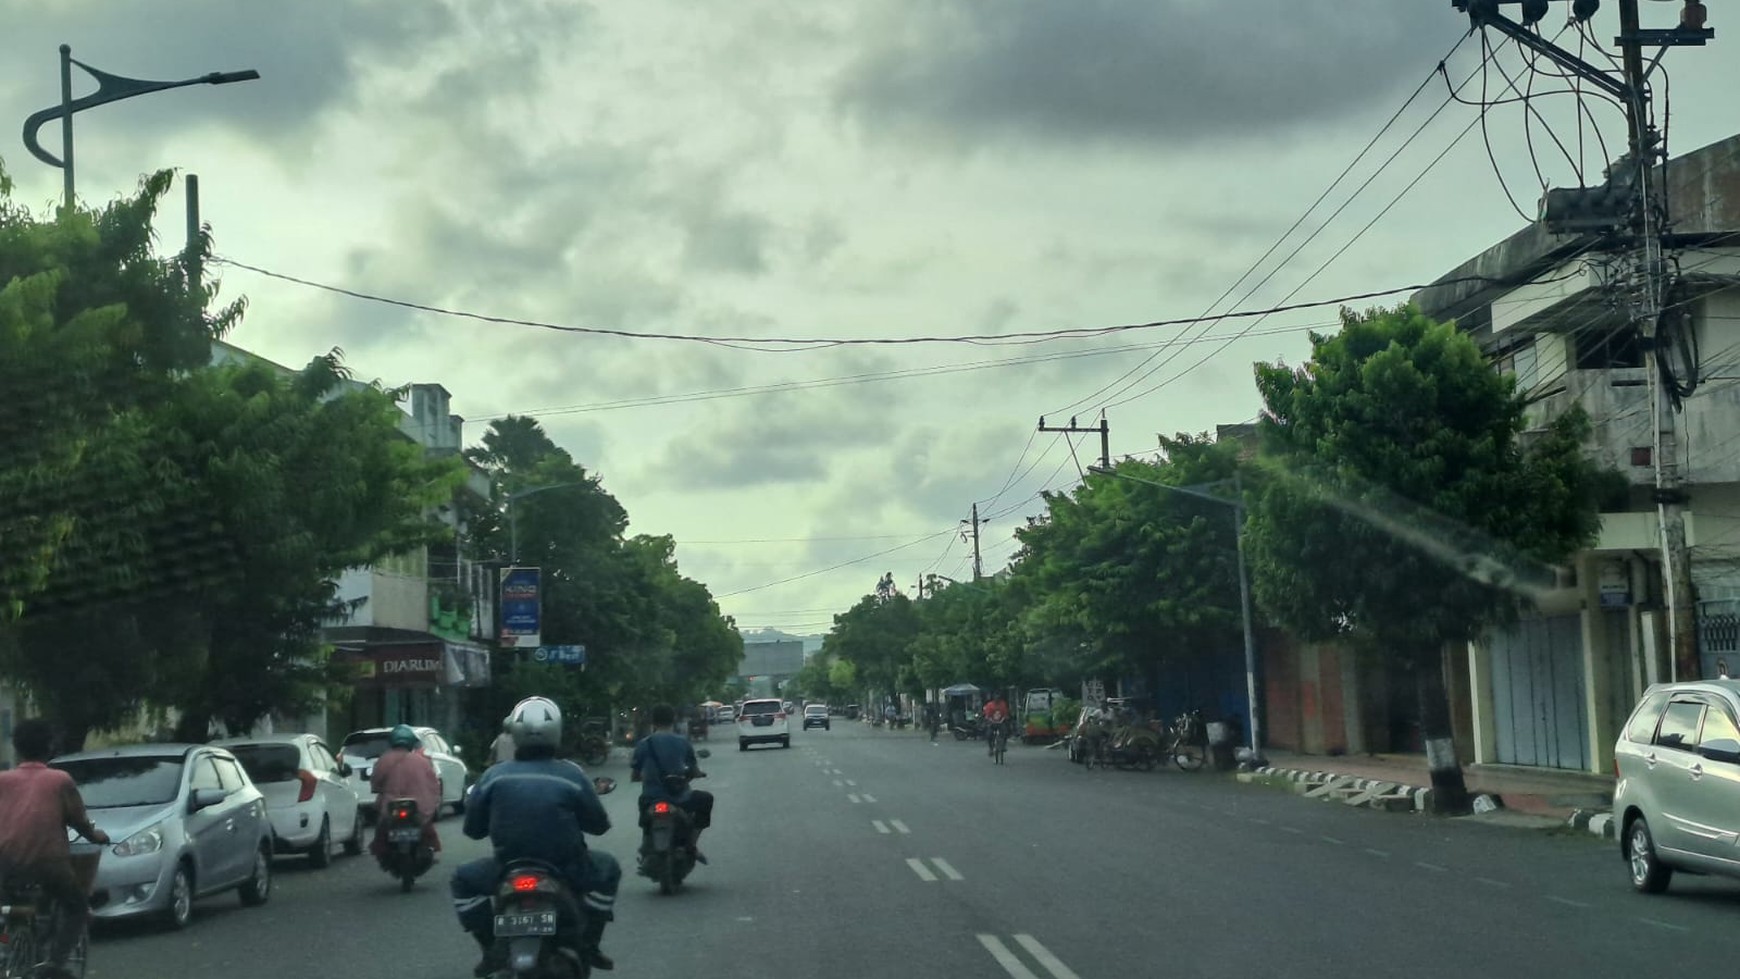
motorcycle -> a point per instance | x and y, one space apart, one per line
408 856
666 855
971 727
539 919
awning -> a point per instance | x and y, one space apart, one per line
962 690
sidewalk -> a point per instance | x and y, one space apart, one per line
1561 795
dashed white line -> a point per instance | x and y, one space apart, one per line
881 827
1259 822
854 797
899 827
869 798
1291 829
1490 882
1568 901
838 783
1431 866
947 870
1377 853
920 869
1664 924
850 782
1331 839
1006 958
1051 962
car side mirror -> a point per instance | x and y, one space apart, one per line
604 784
1721 749
703 753
205 799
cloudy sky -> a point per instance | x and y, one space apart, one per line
852 169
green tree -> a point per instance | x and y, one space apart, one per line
1406 509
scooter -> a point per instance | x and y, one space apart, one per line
666 853
539 919
407 855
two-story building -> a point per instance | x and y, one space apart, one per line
1549 308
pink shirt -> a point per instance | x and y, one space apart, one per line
37 804
403 774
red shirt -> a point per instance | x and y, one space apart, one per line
996 710
37 804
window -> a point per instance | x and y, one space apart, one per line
754 707
1718 726
1679 725
204 775
323 757
229 774
1641 729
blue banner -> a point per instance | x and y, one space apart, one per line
565 655
521 608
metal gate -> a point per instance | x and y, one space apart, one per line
1540 715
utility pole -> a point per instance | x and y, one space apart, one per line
1105 436
975 523
1629 207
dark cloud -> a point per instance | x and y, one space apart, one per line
1167 71
779 439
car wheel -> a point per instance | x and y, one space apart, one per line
320 856
353 847
180 910
256 889
742 745
1648 874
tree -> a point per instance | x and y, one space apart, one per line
1405 507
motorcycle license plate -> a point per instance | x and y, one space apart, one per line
404 835
518 925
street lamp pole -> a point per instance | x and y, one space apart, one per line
110 88
1238 507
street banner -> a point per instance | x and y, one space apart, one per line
563 655
521 608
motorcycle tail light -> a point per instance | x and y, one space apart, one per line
525 882
661 809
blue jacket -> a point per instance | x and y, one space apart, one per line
536 810
658 755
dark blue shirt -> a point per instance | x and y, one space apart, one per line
536 810
659 754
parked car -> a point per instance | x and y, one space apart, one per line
309 796
727 714
1677 794
816 715
186 822
762 721
360 749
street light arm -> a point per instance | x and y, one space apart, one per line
113 88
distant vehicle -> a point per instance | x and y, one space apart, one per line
186 822
361 748
763 721
1677 796
816 715
853 711
727 714
309 796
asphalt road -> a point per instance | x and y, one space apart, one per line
863 853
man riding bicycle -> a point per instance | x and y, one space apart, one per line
996 715
37 805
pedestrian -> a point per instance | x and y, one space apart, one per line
932 719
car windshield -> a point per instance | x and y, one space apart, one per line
134 780
815 711
266 763
370 746
761 707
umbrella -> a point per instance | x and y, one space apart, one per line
962 690
711 703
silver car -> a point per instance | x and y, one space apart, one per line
186 822
308 793
1677 796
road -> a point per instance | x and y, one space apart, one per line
864 853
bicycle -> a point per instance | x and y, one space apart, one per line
26 934
999 743
1188 749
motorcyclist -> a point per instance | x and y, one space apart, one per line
405 772
662 753
536 807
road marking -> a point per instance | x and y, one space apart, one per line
854 797
899 827
1331 839
1291 829
850 782
1431 866
1663 924
869 798
837 783
1051 962
1493 883
920 869
881 827
947 871
1377 853
1568 901
1259 822
1006 958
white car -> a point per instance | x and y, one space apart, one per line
762 721
308 796
361 748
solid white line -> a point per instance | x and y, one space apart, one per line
869 798
899 826
920 869
881 827
947 871
1051 962
854 797
1005 958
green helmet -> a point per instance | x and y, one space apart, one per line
404 736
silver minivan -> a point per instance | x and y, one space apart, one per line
1677 795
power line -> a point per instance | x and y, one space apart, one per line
836 567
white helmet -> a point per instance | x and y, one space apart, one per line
535 722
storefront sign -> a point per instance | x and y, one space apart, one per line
521 608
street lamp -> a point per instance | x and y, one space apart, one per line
110 88
1238 505
513 517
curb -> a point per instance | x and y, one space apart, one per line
1597 822
1377 793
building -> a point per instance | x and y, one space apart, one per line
1552 691
767 665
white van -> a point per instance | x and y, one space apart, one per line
763 720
